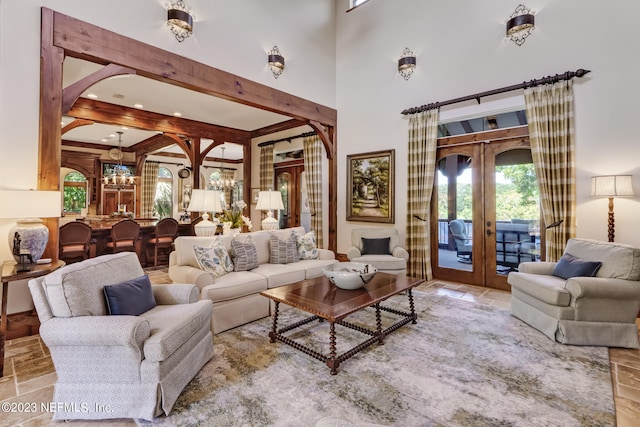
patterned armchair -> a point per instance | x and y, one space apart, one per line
119 366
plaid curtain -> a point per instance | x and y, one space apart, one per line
313 152
149 181
550 116
423 135
266 168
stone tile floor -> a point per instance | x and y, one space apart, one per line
29 373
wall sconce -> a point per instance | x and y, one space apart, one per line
276 62
520 25
611 186
180 20
407 63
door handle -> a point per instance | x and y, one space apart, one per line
489 232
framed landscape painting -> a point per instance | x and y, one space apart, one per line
370 191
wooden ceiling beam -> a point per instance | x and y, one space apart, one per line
83 40
104 112
278 127
74 90
76 123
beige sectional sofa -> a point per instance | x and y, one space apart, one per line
236 294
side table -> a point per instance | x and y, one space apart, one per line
10 274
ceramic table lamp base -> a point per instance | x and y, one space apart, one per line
34 236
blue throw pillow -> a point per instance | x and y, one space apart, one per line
376 246
132 297
570 266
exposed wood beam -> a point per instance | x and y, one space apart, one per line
153 143
208 159
73 91
68 143
466 126
278 127
83 40
104 112
325 137
76 123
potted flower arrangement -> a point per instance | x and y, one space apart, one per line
234 218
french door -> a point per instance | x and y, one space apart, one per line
484 211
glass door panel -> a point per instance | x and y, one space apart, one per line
456 253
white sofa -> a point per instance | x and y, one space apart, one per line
119 366
236 295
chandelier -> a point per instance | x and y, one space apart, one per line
119 176
222 184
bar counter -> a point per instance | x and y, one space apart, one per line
101 234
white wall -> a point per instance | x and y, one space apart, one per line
231 35
461 50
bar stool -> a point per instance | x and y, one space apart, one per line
124 235
74 241
165 232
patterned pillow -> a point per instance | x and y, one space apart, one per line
214 259
307 245
245 254
283 251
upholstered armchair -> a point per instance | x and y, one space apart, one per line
590 297
109 361
379 247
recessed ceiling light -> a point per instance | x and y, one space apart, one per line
112 135
138 105
92 96
177 114
124 128
104 140
62 123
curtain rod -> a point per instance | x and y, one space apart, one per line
524 85
289 138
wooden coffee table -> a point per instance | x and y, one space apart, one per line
327 302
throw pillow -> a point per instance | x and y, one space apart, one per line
307 245
570 266
283 251
376 246
245 254
132 297
214 259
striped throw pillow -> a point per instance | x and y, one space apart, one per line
283 251
245 254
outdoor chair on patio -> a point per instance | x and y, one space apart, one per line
462 240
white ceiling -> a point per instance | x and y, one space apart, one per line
162 98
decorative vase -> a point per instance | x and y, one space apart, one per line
34 236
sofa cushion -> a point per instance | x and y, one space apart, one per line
77 289
172 325
383 262
261 240
378 246
184 248
306 243
245 254
132 297
618 260
214 259
281 274
234 285
313 267
570 266
549 289
283 251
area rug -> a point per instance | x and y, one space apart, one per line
462 364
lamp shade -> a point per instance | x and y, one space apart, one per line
611 186
205 201
268 200
28 238
30 204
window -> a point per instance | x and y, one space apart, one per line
75 192
484 123
355 3
163 202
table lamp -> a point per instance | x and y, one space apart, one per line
205 201
267 201
27 207
611 186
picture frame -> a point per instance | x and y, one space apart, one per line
254 195
371 187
